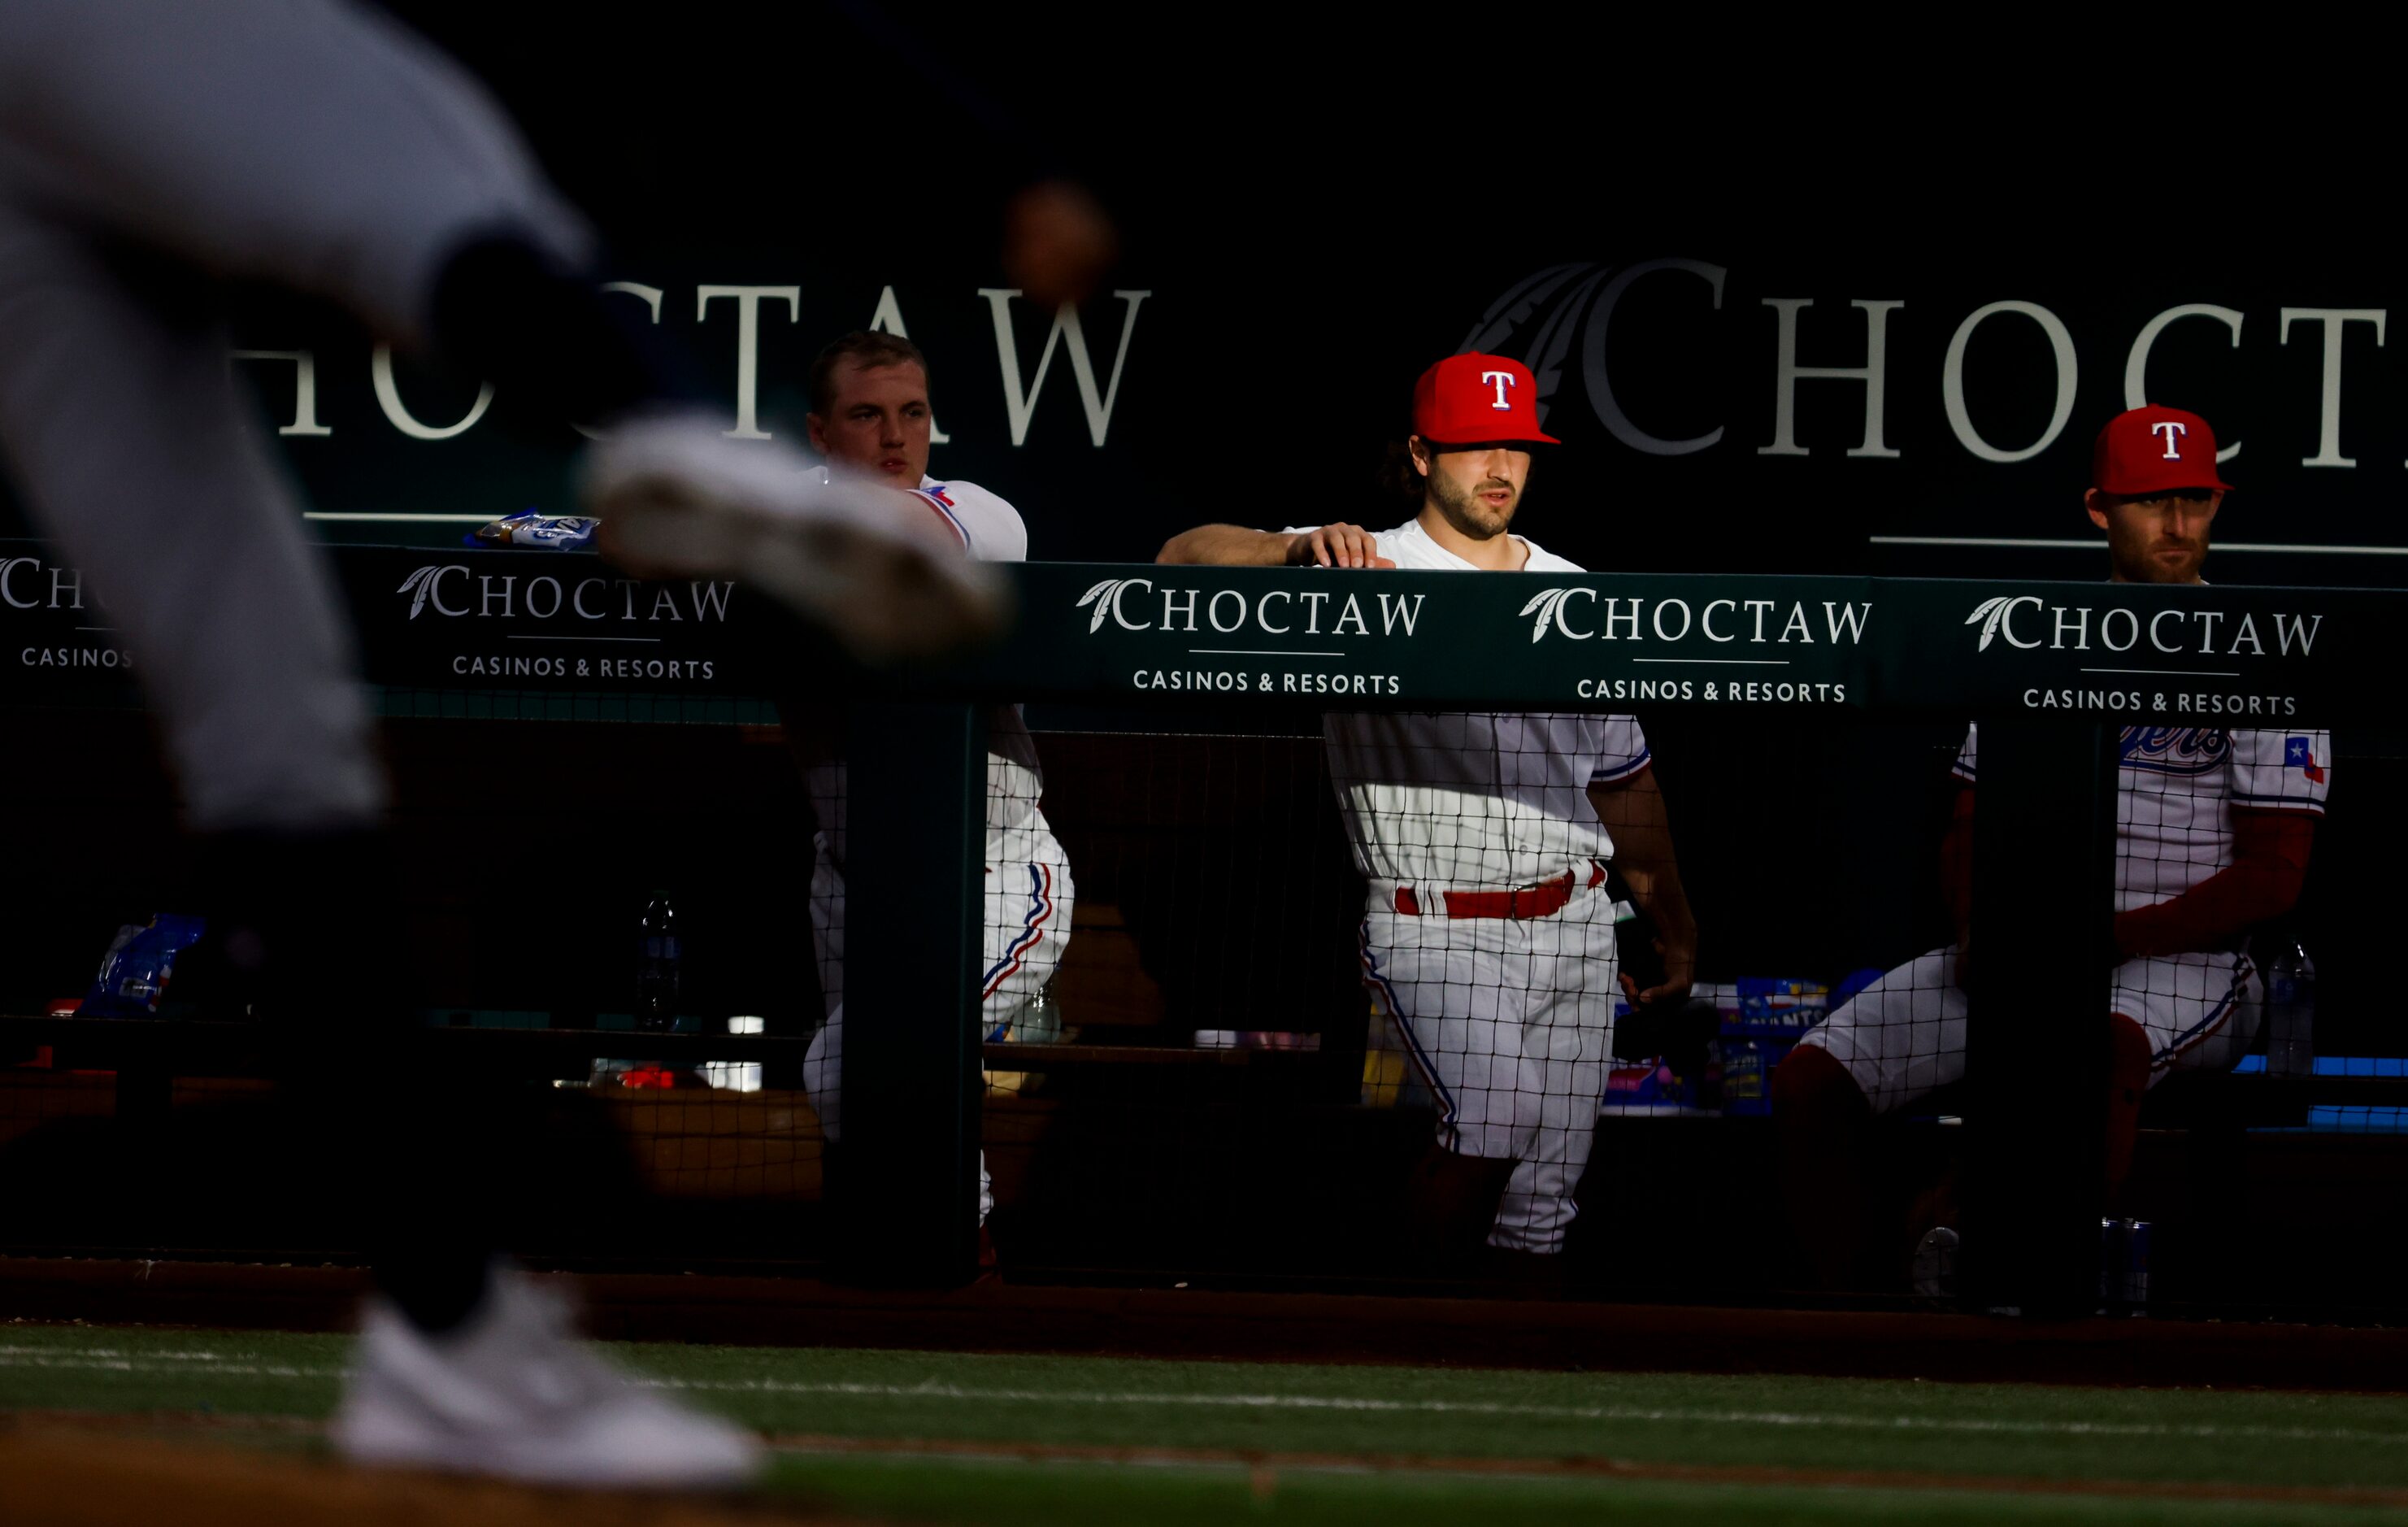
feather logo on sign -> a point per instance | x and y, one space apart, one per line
1542 604
1990 611
1101 597
421 583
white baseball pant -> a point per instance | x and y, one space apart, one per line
1026 924
1903 1037
1510 1022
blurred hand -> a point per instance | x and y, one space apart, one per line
1680 974
1337 547
1058 243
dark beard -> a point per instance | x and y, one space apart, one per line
1464 512
2140 567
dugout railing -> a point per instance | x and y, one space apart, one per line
1125 668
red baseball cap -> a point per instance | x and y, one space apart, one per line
1476 400
2153 451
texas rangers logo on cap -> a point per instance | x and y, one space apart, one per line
2151 451
1478 400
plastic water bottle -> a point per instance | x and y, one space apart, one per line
2290 1012
656 967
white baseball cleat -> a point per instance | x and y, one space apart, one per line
677 499
514 1394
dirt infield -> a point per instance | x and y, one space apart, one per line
93 1475
74 1468
998 1316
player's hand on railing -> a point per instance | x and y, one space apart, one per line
1336 546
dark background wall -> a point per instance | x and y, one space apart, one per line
1318 209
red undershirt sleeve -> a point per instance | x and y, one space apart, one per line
2269 860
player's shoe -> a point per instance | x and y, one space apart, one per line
1934 1270
677 499
1511 1274
513 1393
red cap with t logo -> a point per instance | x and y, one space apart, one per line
2154 451
1477 401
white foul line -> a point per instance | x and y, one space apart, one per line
206 1364
1482 1407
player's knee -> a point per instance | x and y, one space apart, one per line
2130 1053
1810 1083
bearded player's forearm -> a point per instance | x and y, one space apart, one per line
1227 546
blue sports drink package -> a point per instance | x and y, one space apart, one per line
1779 1005
530 527
1747 1067
140 961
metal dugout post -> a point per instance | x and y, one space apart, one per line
915 819
2036 1063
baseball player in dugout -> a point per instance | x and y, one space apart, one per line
870 414
2213 827
1488 938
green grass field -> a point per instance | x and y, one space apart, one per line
1046 1440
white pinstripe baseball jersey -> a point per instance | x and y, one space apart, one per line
1470 798
2176 790
991 530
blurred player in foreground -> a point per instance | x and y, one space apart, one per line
2213 827
870 412
147 152
1489 939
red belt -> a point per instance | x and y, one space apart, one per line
1543 899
